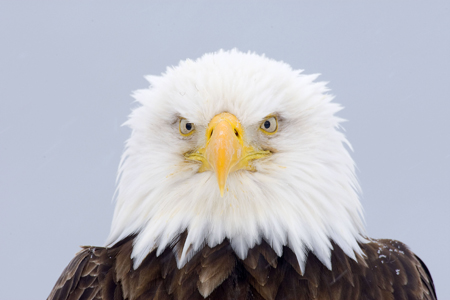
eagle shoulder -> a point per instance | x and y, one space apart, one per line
90 275
396 271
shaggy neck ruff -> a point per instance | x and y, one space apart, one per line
302 196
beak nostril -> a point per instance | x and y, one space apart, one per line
236 133
210 135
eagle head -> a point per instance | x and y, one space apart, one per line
241 147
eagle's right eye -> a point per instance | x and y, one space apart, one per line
186 127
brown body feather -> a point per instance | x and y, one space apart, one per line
388 271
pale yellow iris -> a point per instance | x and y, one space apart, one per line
226 149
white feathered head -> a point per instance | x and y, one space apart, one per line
241 147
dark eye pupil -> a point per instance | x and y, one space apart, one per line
188 126
267 124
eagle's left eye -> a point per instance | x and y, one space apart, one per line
269 125
186 127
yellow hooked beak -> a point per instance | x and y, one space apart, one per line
225 150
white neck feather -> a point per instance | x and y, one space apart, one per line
302 197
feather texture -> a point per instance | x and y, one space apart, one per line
387 270
301 196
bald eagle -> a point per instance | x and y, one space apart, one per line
236 183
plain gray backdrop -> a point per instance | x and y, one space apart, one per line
67 71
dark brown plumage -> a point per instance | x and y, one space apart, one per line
388 271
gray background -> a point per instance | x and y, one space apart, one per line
67 70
